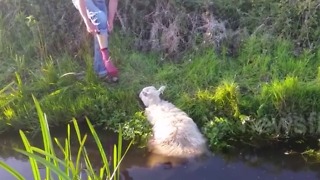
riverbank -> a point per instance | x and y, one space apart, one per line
265 92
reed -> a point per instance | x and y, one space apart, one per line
67 167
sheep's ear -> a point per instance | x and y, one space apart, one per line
161 89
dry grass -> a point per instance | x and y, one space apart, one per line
172 29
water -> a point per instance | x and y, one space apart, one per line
269 164
266 164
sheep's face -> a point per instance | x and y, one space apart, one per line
150 95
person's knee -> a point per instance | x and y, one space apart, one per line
101 21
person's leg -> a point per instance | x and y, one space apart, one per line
98 17
97 12
98 64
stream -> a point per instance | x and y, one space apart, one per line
138 164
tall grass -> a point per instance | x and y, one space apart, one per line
67 167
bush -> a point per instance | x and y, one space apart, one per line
298 20
49 26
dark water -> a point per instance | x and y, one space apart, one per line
271 163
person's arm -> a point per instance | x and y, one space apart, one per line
91 28
112 9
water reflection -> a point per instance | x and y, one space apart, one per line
140 165
269 164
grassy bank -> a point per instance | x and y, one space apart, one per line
267 92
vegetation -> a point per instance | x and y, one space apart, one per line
66 167
246 71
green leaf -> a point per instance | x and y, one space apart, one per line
61 174
33 163
12 171
101 150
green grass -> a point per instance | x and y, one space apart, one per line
67 167
266 79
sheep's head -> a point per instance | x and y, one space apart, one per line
150 95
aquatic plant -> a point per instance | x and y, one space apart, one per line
67 167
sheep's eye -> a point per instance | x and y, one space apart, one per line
145 93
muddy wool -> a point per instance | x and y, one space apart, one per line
174 132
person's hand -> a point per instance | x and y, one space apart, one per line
91 28
110 25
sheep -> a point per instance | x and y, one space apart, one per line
174 133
